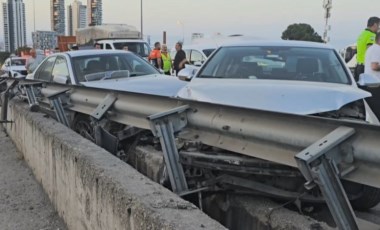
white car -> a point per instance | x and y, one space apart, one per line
107 69
14 67
287 76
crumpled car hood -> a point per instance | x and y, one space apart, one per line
162 85
295 97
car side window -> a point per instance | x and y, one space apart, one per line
44 73
196 57
108 47
146 50
187 52
60 68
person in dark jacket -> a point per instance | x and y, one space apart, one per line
179 59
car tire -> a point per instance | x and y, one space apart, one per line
367 197
370 197
82 125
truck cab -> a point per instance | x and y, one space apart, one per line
137 46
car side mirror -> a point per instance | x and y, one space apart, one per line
187 74
368 80
61 79
198 63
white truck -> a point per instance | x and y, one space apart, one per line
114 37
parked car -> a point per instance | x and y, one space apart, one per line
287 76
14 67
108 69
196 55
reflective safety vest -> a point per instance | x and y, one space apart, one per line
166 62
365 39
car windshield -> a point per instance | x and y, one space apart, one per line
107 66
18 62
139 48
276 63
208 52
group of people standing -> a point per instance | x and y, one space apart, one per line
368 60
161 59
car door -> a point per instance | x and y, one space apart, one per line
196 58
54 68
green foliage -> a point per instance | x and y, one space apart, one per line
3 56
301 32
24 49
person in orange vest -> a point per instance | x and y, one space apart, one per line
155 56
166 60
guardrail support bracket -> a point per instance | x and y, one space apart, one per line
318 164
165 125
56 102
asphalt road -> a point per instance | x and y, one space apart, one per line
23 203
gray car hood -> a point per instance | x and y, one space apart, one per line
162 85
296 97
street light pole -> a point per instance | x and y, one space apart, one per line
141 14
34 15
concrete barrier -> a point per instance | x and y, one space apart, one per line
92 189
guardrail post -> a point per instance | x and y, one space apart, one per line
5 96
165 125
32 100
56 102
318 164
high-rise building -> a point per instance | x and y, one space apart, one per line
14 25
57 11
77 17
44 40
94 12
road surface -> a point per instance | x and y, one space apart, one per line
23 203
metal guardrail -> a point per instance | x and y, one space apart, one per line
276 137
324 149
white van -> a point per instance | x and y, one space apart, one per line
136 46
196 54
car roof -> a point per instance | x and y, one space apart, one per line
200 46
17 58
78 53
280 43
121 40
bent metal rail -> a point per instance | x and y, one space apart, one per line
324 150
276 137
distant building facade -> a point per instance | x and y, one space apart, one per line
57 12
14 25
77 17
94 12
44 40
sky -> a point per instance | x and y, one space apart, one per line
266 19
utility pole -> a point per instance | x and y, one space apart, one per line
141 20
34 15
327 5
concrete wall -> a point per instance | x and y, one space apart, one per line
90 188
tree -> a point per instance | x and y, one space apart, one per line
4 56
301 32
23 49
